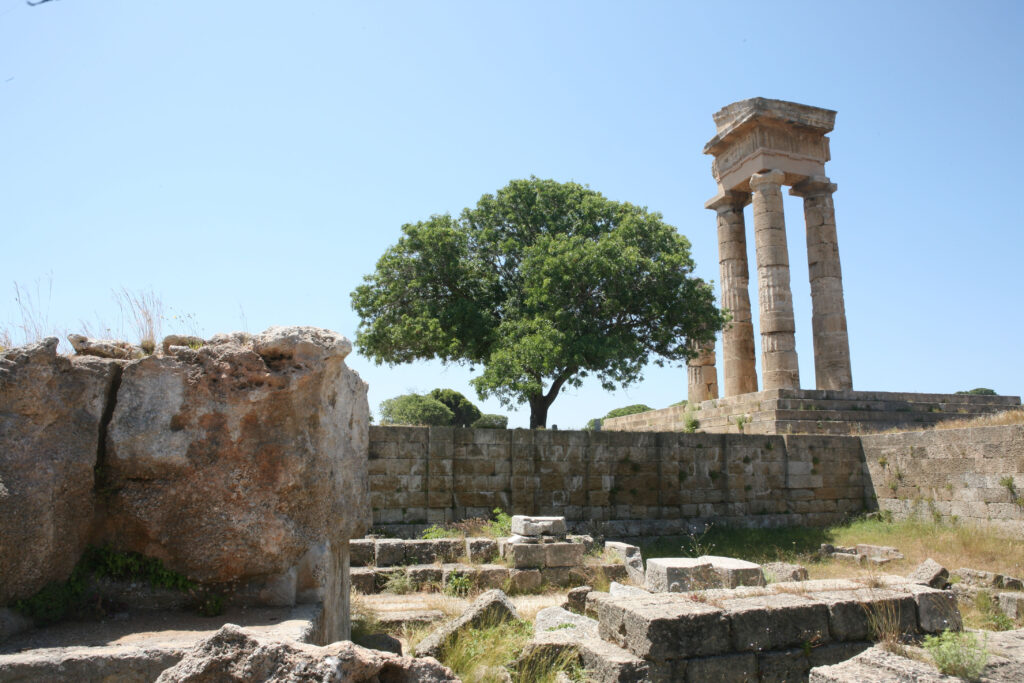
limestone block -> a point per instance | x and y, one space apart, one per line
616 589
735 668
362 552
363 580
784 571
678 574
930 573
538 526
1012 604
852 612
734 572
576 599
663 626
877 664
563 554
775 622
936 609
631 558
423 574
782 666
526 555
481 549
389 552
879 551
491 607
524 580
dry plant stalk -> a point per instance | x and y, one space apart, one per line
145 311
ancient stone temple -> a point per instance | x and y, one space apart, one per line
761 145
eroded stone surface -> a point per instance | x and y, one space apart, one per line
678 574
492 608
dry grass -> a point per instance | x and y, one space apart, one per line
1011 416
144 310
33 323
529 605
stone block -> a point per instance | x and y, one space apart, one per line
631 558
526 555
563 554
734 572
784 571
776 622
362 552
524 580
663 626
490 576
423 574
783 666
363 580
390 552
679 574
481 549
1012 604
560 577
538 526
576 599
930 573
735 668
855 614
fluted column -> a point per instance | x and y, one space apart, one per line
779 367
739 372
828 310
702 384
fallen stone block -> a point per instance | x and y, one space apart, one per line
381 642
679 574
563 554
602 661
1012 604
776 622
852 558
363 580
490 608
977 577
878 560
616 589
524 580
631 558
1011 583
930 573
538 526
879 666
556 618
783 571
111 663
663 626
878 551
393 621
936 609
735 572
576 599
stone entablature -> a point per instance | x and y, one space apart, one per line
761 145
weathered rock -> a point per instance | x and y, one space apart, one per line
381 642
538 526
616 589
881 666
883 551
181 340
576 599
481 549
678 574
930 573
556 618
784 571
105 348
233 654
631 557
52 415
735 572
1012 604
120 663
978 577
491 608
230 462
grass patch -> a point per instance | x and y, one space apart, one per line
498 526
958 653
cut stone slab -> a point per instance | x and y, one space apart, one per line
556 618
538 526
524 580
540 555
852 612
576 599
1012 604
617 589
784 571
977 577
930 573
679 574
362 552
663 626
937 609
481 549
735 572
631 558
776 622
879 666
491 607
879 551
603 662
735 668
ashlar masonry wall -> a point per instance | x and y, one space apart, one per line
973 475
629 483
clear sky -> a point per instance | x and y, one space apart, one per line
250 161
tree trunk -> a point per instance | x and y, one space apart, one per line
539 412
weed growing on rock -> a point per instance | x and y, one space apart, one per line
458 585
957 653
993 618
399 582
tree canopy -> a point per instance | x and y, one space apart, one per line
414 409
465 413
543 284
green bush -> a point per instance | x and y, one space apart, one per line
593 424
491 421
465 413
628 410
414 409
957 653
980 391
501 525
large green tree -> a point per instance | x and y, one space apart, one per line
542 284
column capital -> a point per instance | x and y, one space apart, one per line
813 186
773 177
728 200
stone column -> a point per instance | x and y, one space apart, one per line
738 368
778 339
828 316
702 384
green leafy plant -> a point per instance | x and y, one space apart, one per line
958 653
414 409
458 585
436 531
697 545
994 618
500 524
398 582
690 422
464 413
491 421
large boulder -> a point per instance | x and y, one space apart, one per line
232 460
51 420
233 654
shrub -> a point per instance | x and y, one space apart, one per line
414 409
957 653
399 582
458 585
491 421
501 525
593 425
628 410
434 531
980 391
463 410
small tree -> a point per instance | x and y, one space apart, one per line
628 410
465 412
980 391
491 421
414 409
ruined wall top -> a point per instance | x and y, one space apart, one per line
759 134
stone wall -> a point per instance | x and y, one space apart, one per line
629 483
952 473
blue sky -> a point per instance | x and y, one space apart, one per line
249 162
